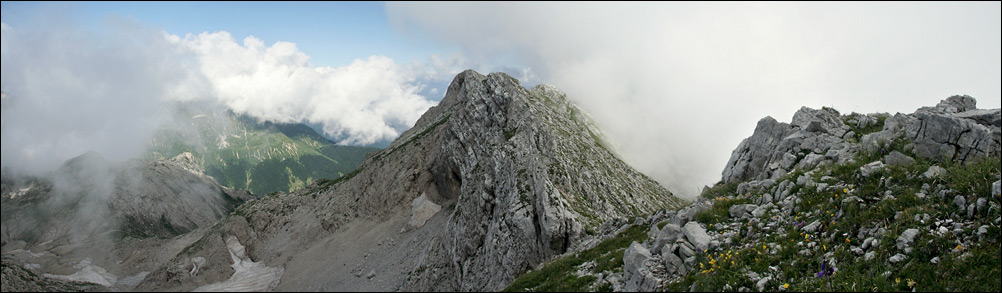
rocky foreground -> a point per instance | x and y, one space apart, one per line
828 202
488 184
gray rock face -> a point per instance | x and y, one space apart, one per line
668 234
635 267
518 173
953 130
960 201
996 189
897 258
89 196
906 238
934 172
696 235
868 169
896 158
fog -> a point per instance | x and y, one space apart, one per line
69 91
70 88
678 85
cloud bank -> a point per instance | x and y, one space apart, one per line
70 90
678 85
370 100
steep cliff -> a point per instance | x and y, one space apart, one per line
486 185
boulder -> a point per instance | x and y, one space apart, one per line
668 234
696 235
896 158
868 169
934 172
905 240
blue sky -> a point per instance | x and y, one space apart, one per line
332 33
676 85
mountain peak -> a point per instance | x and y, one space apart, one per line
497 178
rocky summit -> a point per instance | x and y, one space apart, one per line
486 186
829 202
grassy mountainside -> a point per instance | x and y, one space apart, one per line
242 153
886 218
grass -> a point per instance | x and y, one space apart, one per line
975 267
558 275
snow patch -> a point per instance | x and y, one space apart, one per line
88 273
248 275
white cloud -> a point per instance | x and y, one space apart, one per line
370 100
70 91
680 84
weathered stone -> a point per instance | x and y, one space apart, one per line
668 234
812 227
906 238
741 211
868 169
870 256
635 270
696 235
934 172
762 283
897 258
422 209
896 158
960 201
996 189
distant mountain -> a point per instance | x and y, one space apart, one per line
262 157
493 181
828 202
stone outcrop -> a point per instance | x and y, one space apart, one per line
517 175
953 130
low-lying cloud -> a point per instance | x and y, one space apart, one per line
678 85
69 90
370 100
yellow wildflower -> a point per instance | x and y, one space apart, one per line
911 283
960 247
847 240
786 286
897 280
844 190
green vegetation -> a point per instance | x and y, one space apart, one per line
860 131
971 265
261 157
558 275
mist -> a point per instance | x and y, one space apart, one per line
69 88
69 91
678 85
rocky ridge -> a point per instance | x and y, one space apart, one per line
90 219
486 185
821 204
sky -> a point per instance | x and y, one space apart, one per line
676 85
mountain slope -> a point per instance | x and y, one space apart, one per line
829 202
106 223
261 157
489 183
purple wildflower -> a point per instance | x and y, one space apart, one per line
825 270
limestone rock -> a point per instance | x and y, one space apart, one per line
896 158
934 172
668 234
906 238
696 235
868 169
